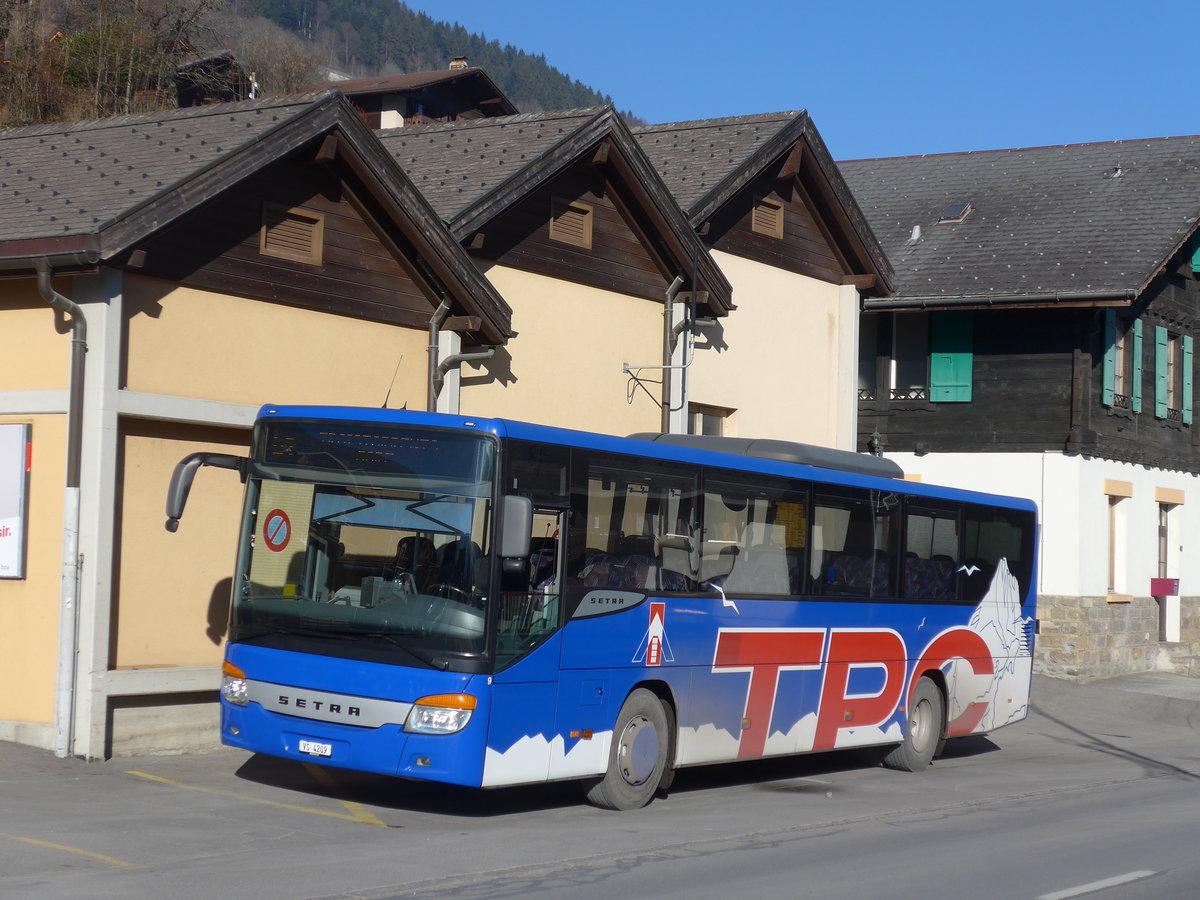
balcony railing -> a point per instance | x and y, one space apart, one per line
909 393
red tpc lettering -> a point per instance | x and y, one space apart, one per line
850 650
957 643
764 654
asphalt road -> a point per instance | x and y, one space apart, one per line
1094 795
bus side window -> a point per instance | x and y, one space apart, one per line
754 535
931 552
991 534
633 525
855 539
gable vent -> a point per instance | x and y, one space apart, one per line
571 223
295 234
767 218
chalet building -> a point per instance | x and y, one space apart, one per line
218 78
1040 342
165 274
460 92
571 224
769 203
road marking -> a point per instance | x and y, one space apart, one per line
1094 886
275 803
325 780
111 860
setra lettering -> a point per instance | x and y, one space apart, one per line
318 705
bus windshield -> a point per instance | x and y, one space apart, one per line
367 541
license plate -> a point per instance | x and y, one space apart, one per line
316 748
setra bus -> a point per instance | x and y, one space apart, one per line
486 602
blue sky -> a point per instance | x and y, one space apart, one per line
878 78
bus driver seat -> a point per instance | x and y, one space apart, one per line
417 557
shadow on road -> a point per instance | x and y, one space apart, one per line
794 774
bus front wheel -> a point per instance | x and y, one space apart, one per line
637 758
926 726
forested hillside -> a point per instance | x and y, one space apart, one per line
386 37
62 59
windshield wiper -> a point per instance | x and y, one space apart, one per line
442 664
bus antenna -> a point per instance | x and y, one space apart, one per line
388 395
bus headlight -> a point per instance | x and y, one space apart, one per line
233 685
440 714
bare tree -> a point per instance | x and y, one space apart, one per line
71 60
280 61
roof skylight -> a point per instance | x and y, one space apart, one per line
954 213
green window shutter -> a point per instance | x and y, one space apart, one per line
1187 379
950 356
1135 389
1160 371
1193 247
1110 357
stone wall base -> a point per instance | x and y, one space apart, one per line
1086 638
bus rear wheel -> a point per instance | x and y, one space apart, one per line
637 758
926 727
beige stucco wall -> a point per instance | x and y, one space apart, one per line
193 343
36 356
566 360
29 606
778 368
172 590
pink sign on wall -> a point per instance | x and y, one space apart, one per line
14 485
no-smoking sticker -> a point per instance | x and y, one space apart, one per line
277 530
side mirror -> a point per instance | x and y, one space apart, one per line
185 473
516 522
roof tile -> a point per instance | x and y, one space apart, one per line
1085 218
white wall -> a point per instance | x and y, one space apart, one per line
1074 514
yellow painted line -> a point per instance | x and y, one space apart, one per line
360 812
236 796
111 860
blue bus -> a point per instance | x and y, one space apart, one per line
486 602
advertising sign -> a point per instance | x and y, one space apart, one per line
14 483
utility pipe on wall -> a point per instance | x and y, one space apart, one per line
435 327
668 346
64 709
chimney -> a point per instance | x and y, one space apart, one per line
458 62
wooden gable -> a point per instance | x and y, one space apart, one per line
576 228
798 242
291 235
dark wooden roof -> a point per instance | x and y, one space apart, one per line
1076 224
472 76
473 171
455 164
708 162
88 192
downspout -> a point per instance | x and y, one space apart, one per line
64 712
438 369
439 377
435 326
668 346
